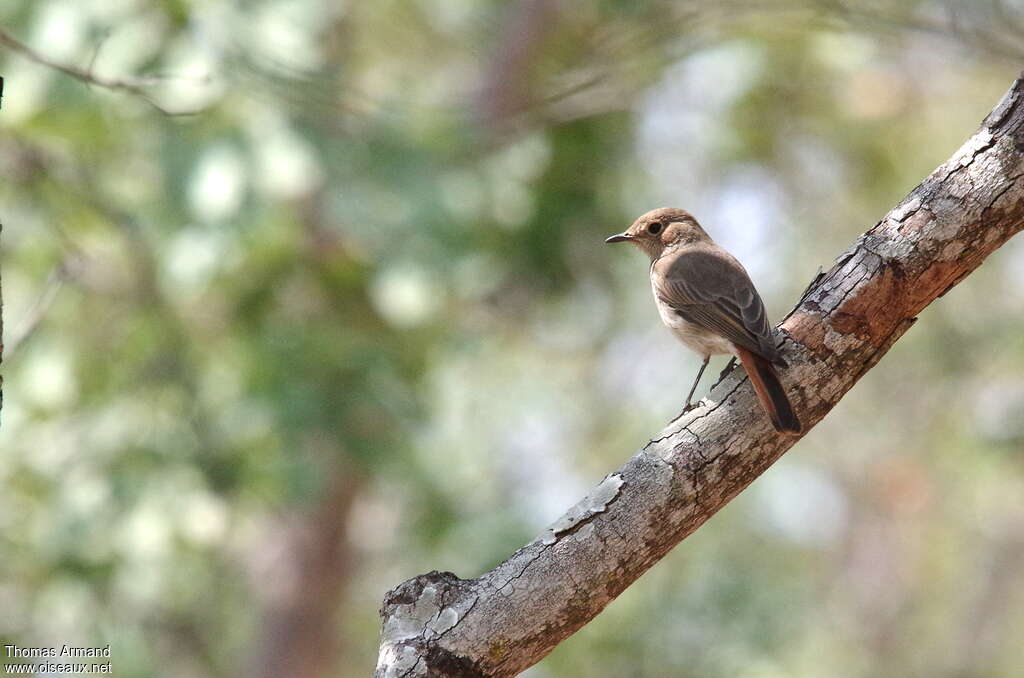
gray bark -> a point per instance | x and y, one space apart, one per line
511 617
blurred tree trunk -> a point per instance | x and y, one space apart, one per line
506 90
314 560
302 589
511 617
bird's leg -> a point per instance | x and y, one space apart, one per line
688 406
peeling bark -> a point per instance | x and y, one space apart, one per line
511 617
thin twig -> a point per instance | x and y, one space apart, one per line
134 86
37 312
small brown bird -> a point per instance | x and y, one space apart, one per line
708 301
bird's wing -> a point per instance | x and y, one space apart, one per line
712 290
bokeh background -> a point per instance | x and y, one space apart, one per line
324 305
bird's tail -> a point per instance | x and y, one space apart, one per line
769 391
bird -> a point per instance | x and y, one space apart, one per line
706 298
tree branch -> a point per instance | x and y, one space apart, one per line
509 618
134 86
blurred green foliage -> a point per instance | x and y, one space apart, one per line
352 321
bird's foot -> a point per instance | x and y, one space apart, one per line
728 368
689 407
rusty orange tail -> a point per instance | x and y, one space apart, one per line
769 391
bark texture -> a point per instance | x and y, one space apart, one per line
509 618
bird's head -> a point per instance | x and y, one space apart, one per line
661 229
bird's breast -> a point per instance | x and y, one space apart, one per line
695 337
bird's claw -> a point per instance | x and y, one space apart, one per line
728 368
689 407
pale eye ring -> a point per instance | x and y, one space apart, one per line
654 228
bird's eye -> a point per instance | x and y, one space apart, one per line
654 227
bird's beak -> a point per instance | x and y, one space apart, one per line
620 237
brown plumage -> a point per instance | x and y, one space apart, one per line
706 298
